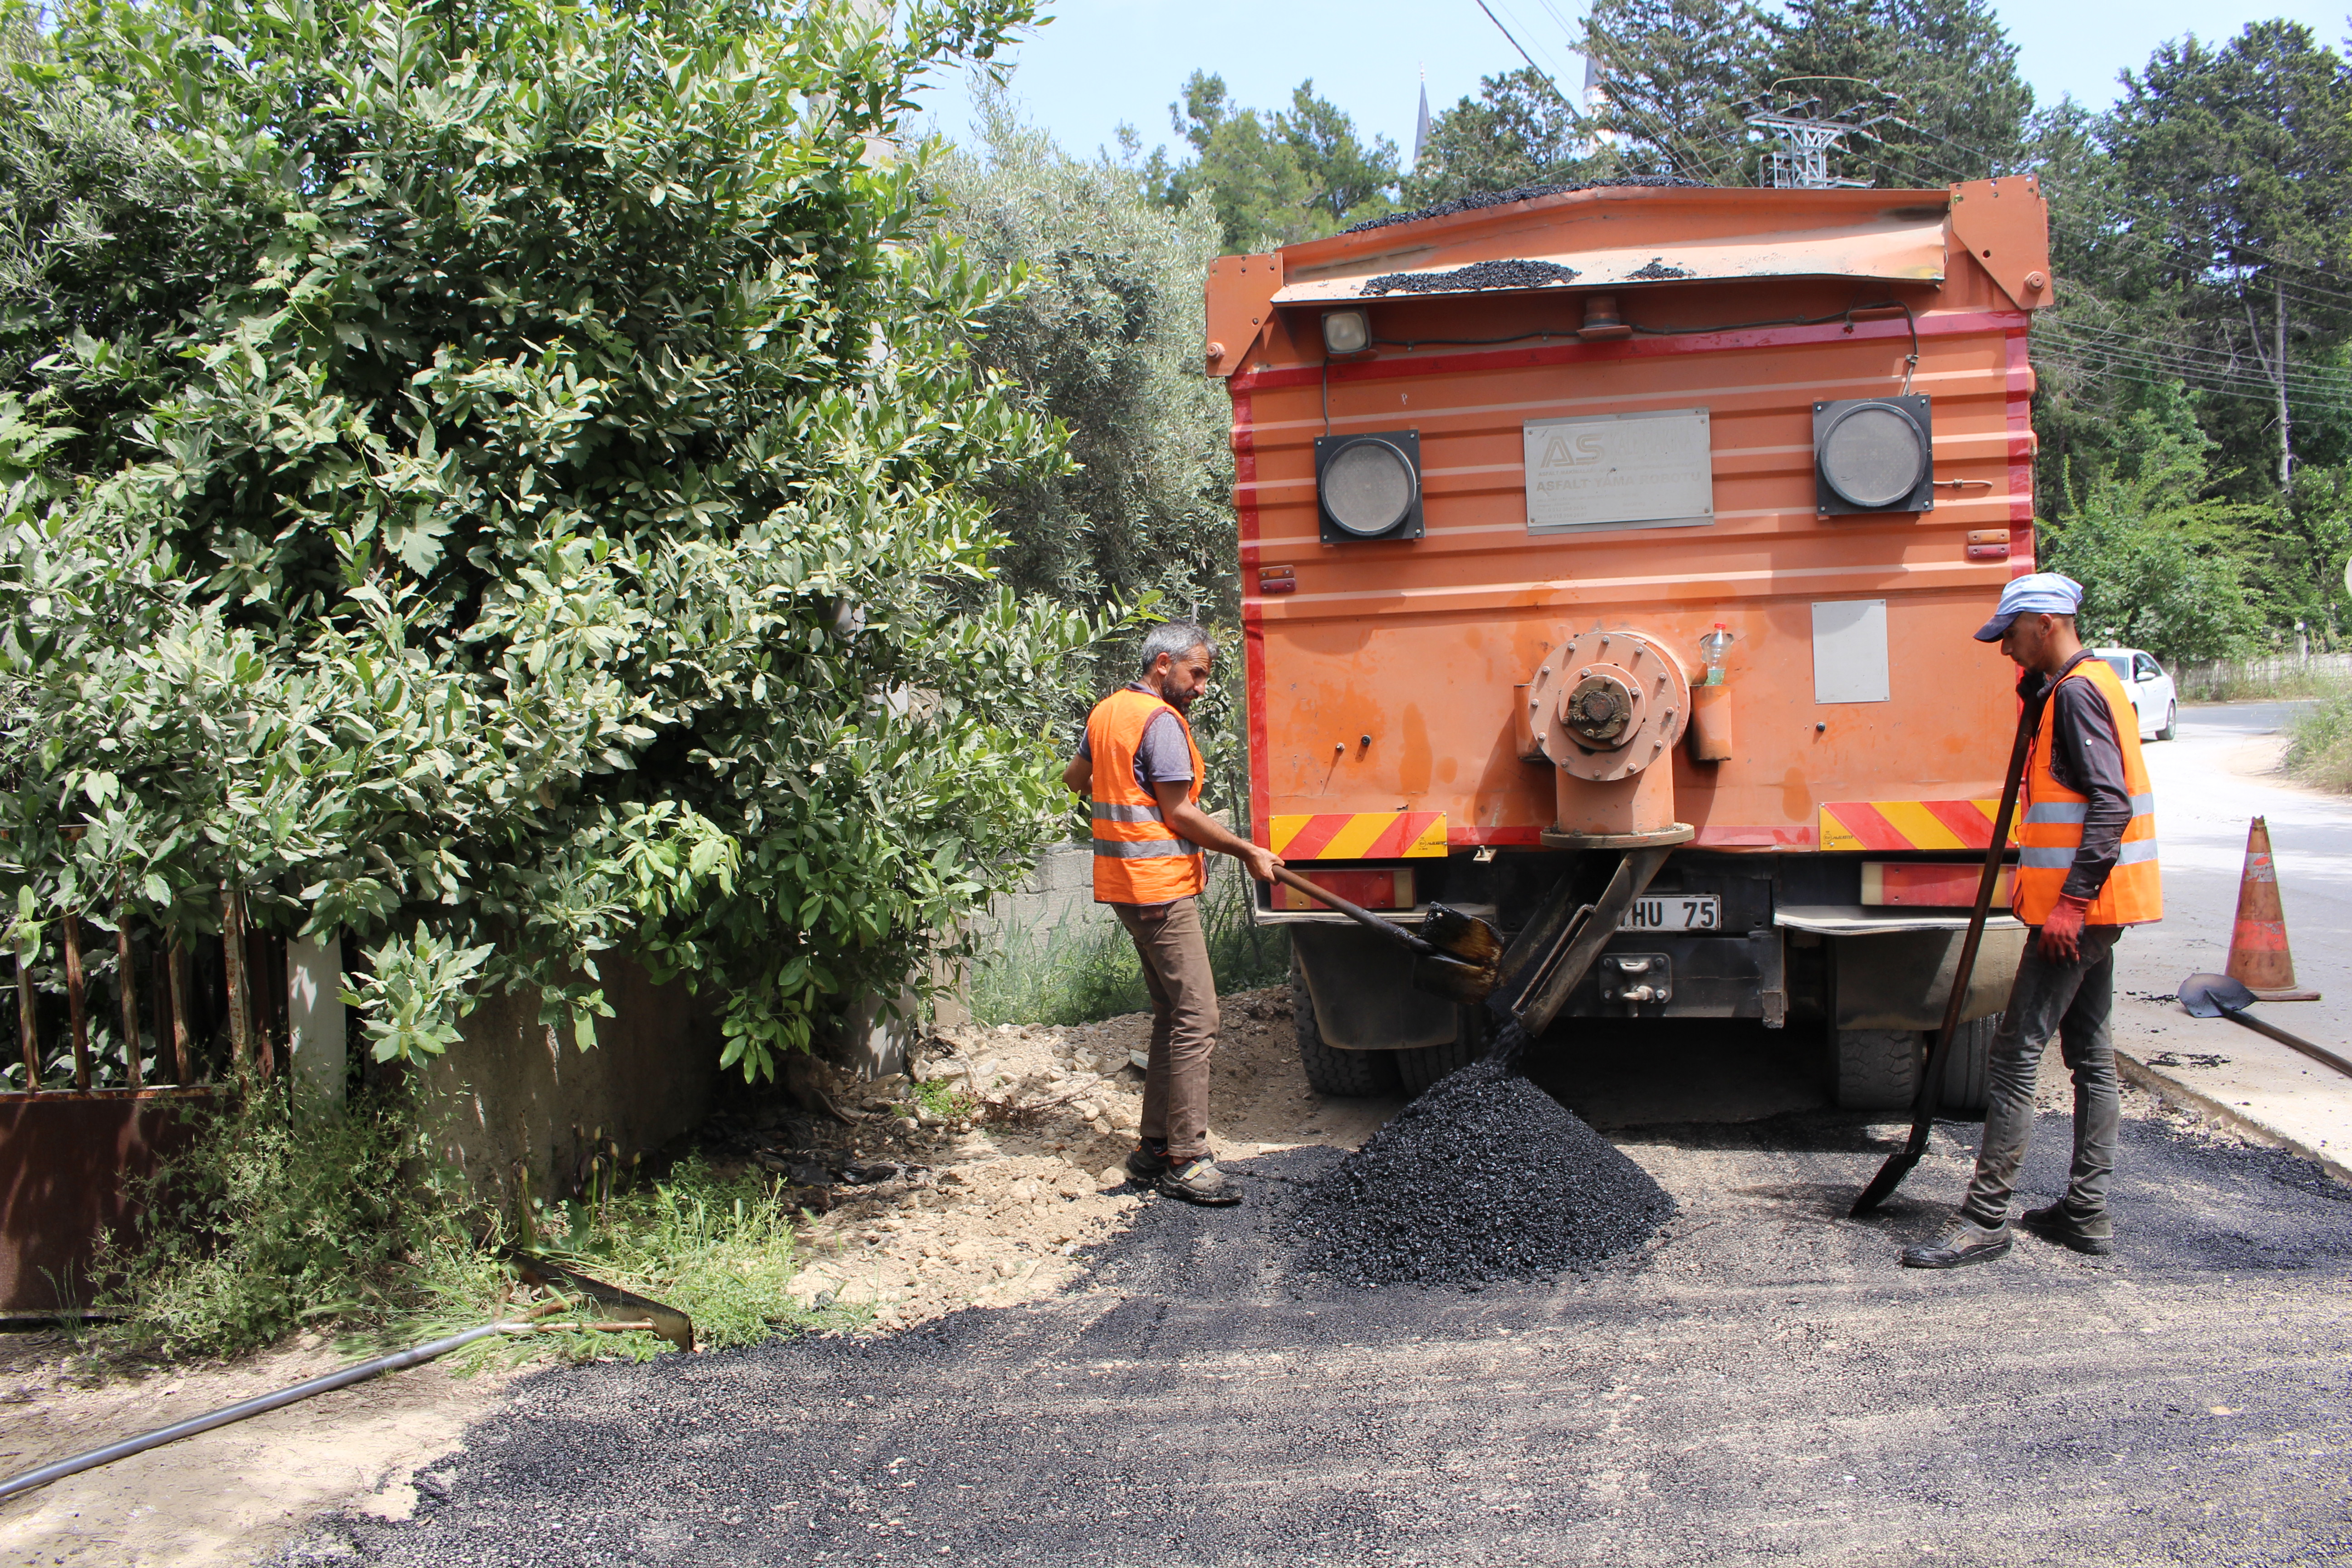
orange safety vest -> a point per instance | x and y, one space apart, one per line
1137 858
2050 827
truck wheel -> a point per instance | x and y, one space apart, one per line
1968 1072
1356 1075
1877 1069
1424 1064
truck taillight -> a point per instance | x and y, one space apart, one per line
1374 889
1928 884
1368 486
1873 454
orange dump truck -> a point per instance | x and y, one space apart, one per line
1609 559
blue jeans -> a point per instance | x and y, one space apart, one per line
2071 1001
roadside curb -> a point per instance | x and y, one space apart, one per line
2172 1090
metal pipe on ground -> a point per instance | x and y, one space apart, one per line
415 1355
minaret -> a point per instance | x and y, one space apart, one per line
1421 126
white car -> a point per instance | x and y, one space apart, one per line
2153 697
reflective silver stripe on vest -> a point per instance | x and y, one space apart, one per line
2058 857
2078 810
1150 849
1107 810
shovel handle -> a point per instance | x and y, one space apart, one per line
1362 917
2316 1053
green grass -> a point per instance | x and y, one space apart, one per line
1083 971
2319 746
267 1225
2235 683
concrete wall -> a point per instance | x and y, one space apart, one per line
515 1095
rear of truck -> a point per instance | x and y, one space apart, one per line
1618 550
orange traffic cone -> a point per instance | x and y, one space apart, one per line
2258 950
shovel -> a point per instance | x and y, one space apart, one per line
1457 956
2223 996
1923 1113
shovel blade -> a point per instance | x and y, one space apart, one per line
1467 984
1466 937
2210 995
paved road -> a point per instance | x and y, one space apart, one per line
1759 1384
2209 783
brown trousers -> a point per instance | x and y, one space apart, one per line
1174 948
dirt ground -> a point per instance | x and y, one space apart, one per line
983 1233
225 1495
1006 1206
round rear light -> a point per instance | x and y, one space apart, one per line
1368 487
1874 456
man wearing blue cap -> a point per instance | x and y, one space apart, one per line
2086 868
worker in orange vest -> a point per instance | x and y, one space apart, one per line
1141 770
2086 868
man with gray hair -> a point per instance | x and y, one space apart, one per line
1140 769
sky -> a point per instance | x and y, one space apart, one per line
1101 62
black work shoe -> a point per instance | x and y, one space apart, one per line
1147 1161
2095 1235
1200 1181
1965 1242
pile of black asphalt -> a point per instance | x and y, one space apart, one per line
1478 275
1484 1177
1516 194
1757 1382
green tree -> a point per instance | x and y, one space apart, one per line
1105 339
1936 80
2158 556
1517 131
1273 178
1676 76
515 489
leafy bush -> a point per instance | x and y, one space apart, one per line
2319 746
512 477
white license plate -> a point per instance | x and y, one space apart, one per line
1673 912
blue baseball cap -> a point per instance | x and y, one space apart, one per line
2038 594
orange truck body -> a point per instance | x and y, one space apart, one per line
1387 677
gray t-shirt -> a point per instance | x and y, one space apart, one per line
1161 757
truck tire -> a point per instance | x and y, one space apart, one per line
1424 1064
1354 1075
1877 1069
1967 1073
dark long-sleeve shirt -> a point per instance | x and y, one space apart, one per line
2086 756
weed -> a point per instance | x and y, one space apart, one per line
2262 682
1086 969
939 1098
262 1225
2319 745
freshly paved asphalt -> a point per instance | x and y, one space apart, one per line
1759 1384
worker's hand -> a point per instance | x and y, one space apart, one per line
1261 861
2061 933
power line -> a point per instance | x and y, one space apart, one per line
1523 53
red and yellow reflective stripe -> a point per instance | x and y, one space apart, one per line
1910 825
1358 835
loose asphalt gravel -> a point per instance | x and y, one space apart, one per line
1478 275
1484 1177
1758 1382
